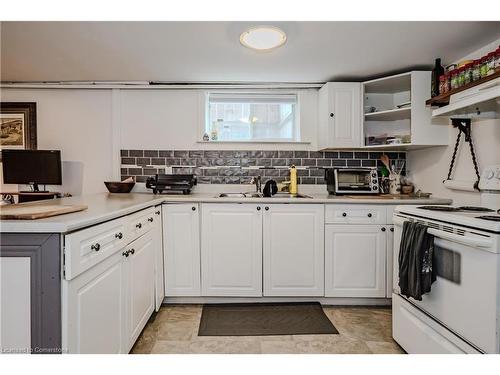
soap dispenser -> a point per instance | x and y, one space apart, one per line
293 180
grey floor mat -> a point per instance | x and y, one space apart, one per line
262 319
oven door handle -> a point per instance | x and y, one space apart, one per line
464 240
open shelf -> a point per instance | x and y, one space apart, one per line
389 115
444 99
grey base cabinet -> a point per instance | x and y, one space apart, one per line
38 258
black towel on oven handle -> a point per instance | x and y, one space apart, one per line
416 252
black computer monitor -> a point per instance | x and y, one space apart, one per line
33 167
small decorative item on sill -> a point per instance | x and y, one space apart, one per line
206 138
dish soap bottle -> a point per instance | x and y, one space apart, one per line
293 180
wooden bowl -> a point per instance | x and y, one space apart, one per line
119 187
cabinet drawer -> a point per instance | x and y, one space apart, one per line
139 223
355 214
87 247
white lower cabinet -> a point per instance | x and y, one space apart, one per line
355 260
106 307
181 249
140 281
389 263
95 309
231 250
293 250
158 246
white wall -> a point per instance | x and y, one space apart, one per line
90 126
429 167
173 119
77 122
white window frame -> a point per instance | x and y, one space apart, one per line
205 118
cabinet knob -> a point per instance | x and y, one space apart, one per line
258 208
193 208
132 251
150 219
383 229
344 214
96 247
119 235
392 229
125 253
139 225
331 114
369 215
157 212
267 208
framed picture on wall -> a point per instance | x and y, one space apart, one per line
17 125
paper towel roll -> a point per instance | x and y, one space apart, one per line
459 185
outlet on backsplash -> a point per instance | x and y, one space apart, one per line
238 167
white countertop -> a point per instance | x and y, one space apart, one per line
104 206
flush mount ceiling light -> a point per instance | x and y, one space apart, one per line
263 38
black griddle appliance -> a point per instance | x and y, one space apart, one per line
171 183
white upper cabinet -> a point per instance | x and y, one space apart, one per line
395 114
339 115
293 249
231 250
355 260
181 249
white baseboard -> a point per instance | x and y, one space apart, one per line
323 300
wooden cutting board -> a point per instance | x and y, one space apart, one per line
31 212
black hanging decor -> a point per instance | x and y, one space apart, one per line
463 125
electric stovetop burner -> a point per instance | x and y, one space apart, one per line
456 209
473 208
439 208
488 217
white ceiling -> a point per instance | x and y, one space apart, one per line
211 52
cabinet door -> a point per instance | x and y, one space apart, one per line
355 258
390 259
94 309
231 250
340 116
181 249
140 277
293 250
158 250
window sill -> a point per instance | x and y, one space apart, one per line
258 142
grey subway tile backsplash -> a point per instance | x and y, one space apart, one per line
238 167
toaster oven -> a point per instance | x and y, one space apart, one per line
352 180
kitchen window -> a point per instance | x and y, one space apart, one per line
246 117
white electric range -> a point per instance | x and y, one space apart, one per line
461 314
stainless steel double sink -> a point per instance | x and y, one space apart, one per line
260 195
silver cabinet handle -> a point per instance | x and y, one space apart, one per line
150 219
132 251
96 247
125 254
139 225
119 235
157 212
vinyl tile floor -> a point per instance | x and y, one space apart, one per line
362 330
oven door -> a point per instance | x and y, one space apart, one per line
465 296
